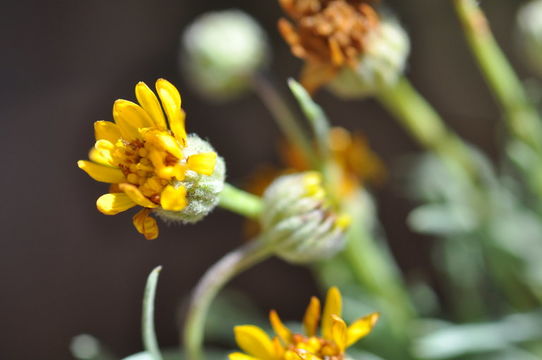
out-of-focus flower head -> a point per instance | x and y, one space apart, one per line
529 23
150 161
298 221
221 51
334 36
331 344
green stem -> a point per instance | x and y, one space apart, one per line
424 124
208 287
521 117
240 202
284 117
376 270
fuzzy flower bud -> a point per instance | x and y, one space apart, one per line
220 52
379 66
297 220
529 22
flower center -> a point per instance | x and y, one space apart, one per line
152 163
321 348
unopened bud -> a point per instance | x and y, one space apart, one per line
380 65
298 221
529 23
221 51
202 191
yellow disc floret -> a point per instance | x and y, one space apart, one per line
141 154
335 336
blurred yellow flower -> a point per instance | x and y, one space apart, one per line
141 155
335 336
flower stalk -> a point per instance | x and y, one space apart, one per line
240 202
425 125
521 117
211 283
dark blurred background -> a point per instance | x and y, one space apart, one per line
66 269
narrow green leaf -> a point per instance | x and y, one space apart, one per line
315 115
147 324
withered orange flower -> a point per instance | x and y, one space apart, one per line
328 35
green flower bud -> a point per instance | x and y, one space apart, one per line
297 220
529 23
221 51
202 191
381 64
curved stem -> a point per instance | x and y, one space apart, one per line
521 117
240 202
208 287
425 125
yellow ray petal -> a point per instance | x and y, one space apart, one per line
111 204
279 348
361 328
130 117
338 332
149 102
146 224
280 329
333 307
171 102
101 173
173 199
203 163
312 316
240 356
106 130
100 157
136 195
254 341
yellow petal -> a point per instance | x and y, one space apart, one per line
240 356
338 332
173 199
163 141
333 307
171 102
279 349
149 102
100 157
254 341
312 316
111 204
282 331
136 195
361 328
101 173
146 224
203 163
106 130
130 117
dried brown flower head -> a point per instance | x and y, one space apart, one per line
328 34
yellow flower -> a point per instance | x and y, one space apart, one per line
335 336
142 155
